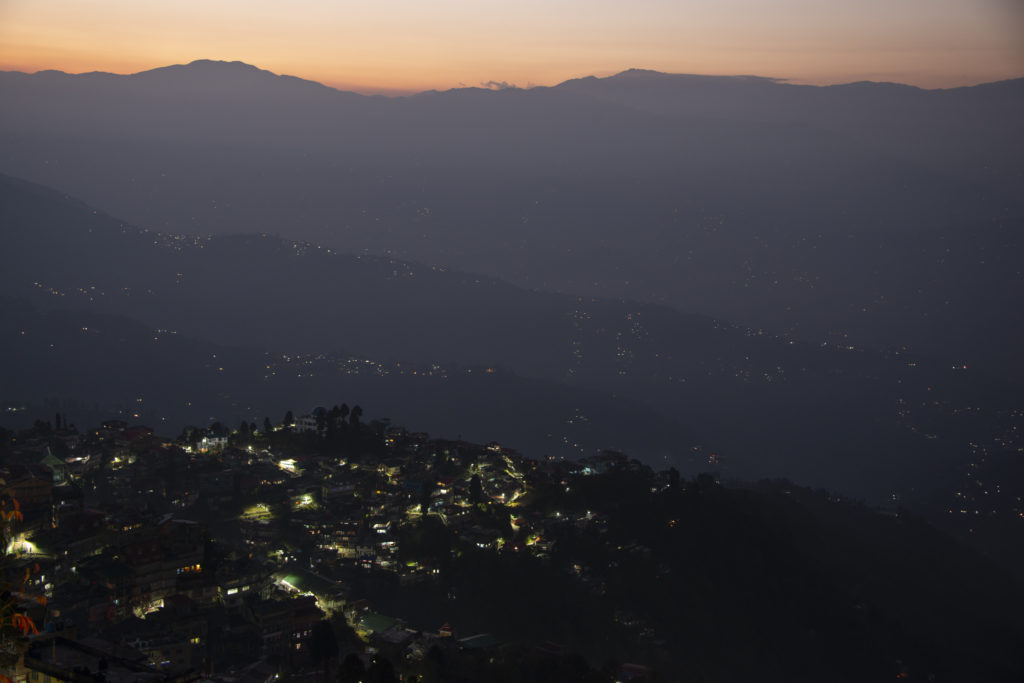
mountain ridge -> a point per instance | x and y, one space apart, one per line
752 202
239 66
768 405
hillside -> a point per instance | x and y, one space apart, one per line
763 583
458 561
873 214
93 366
870 424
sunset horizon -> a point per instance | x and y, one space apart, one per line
397 90
406 47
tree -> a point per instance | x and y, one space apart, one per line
323 644
425 495
381 671
289 419
353 418
283 515
352 670
348 639
476 490
435 665
267 426
191 435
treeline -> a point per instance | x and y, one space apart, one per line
706 583
339 430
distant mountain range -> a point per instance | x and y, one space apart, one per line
870 214
570 370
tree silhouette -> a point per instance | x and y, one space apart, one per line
435 665
425 494
352 670
381 671
476 490
323 644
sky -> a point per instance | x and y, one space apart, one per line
412 45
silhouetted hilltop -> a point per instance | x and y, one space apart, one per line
204 76
966 131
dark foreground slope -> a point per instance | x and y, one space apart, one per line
705 583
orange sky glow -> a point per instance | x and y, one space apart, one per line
411 45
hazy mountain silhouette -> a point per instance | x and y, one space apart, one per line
937 128
871 213
863 422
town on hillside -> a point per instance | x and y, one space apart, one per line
260 552
327 547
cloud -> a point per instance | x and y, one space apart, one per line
497 85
